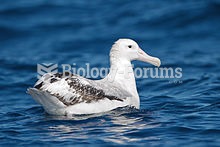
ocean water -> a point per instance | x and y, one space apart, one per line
182 34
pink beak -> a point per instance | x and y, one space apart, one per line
142 56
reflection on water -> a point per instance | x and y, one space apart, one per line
125 125
181 33
115 126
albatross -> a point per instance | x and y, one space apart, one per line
73 94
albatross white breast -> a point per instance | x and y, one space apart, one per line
72 94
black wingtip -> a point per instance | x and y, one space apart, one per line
38 86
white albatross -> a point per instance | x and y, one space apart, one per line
67 95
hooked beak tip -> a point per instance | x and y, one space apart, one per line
147 58
158 63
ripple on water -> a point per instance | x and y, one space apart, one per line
183 34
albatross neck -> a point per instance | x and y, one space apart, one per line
121 72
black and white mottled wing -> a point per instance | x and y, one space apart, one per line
73 89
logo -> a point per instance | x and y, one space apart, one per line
126 71
44 68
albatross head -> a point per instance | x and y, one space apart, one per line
128 49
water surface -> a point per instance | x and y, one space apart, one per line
182 34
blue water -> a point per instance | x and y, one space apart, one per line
182 34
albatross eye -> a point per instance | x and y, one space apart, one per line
130 46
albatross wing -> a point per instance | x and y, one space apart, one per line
72 94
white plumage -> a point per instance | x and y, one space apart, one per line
66 95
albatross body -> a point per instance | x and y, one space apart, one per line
73 94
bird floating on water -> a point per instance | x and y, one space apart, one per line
67 95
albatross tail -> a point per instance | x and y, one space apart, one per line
50 103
